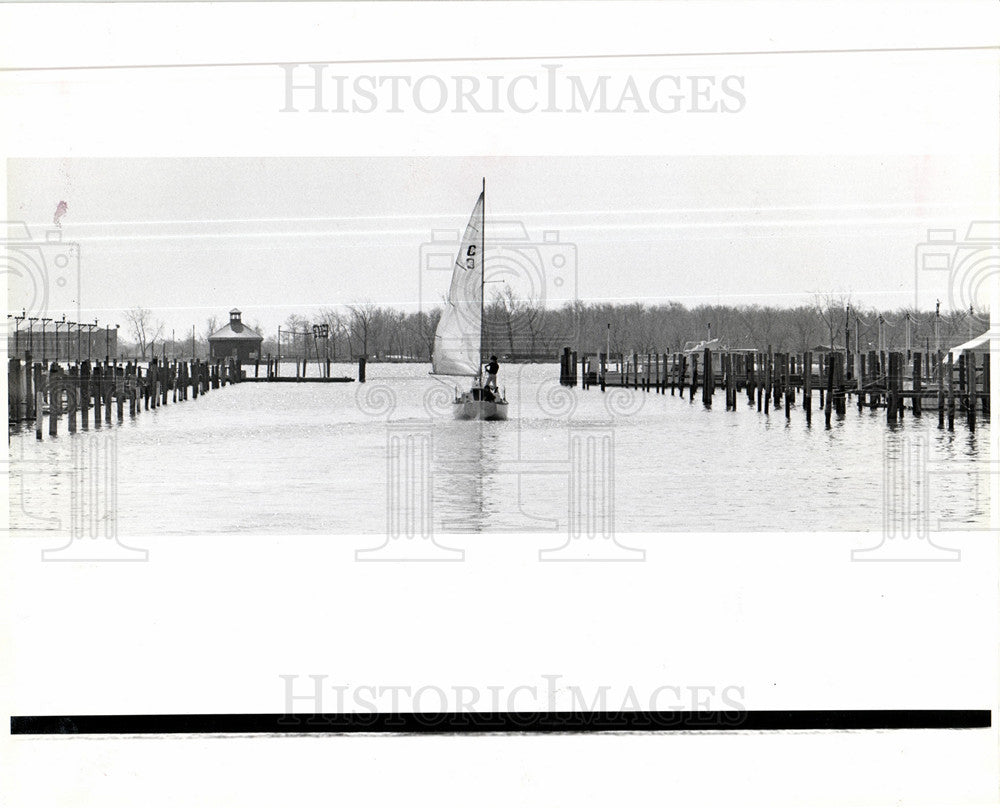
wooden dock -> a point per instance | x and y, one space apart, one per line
271 367
893 381
104 390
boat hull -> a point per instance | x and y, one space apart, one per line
469 408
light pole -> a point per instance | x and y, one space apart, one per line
58 323
937 327
17 321
44 321
31 334
847 333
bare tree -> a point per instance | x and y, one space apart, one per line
143 328
363 324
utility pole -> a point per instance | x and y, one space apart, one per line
44 321
937 327
847 334
17 321
58 323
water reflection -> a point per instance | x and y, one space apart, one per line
299 458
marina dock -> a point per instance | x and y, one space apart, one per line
104 390
894 381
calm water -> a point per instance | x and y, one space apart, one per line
287 458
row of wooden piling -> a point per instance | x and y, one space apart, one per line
875 379
76 391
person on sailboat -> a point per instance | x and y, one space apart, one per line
491 374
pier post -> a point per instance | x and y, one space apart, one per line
694 375
74 401
828 408
891 401
986 385
108 379
970 389
97 385
807 384
939 373
917 386
361 369
55 394
768 380
951 391
29 388
85 394
709 381
14 391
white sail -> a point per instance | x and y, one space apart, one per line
456 341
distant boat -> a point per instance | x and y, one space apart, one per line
459 339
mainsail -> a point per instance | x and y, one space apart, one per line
456 341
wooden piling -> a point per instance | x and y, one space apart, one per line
97 388
694 375
709 381
74 399
768 380
807 384
29 388
951 391
970 375
828 408
917 385
986 385
939 372
109 391
55 394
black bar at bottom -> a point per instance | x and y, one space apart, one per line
484 723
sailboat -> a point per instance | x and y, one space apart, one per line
459 339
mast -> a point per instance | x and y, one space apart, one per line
482 287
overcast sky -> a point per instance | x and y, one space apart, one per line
190 238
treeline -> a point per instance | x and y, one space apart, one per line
520 331
523 332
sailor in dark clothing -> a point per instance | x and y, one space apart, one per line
491 374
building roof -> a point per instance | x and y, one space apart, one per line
235 329
982 342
